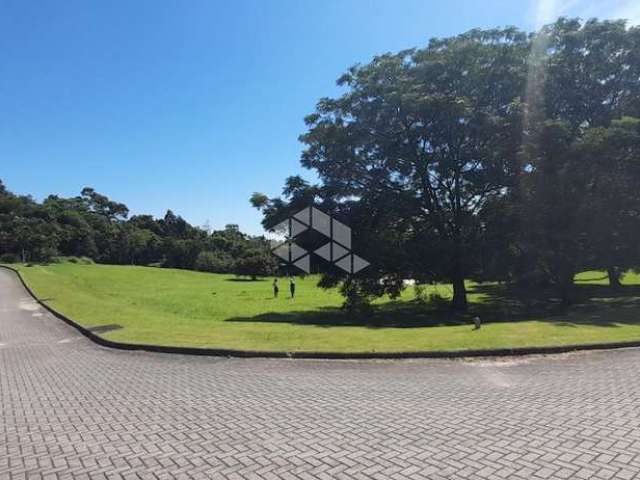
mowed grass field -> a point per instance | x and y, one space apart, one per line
185 308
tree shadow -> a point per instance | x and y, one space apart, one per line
243 280
105 328
596 292
395 314
596 305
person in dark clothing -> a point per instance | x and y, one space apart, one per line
292 287
275 288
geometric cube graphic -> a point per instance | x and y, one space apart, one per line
297 228
321 222
341 233
337 250
352 263
331 251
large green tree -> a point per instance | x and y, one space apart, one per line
583 76
610 167
417 145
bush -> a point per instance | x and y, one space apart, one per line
357 302
255 264
438 301
434 299
214 262
43 254
10 258
421 293
72 259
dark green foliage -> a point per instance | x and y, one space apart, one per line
9 258
357 299
214 261
578 199
234 252
255 262
72 259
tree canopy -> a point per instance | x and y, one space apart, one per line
495 154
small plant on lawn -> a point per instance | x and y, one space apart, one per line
357 303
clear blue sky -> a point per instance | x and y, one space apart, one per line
194 105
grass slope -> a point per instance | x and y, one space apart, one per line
176 307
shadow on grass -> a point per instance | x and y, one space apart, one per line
596 305
392 314
240 279
105 328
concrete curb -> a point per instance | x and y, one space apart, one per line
220 352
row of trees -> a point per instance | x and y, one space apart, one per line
94 226
492 155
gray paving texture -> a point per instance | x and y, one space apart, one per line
72 409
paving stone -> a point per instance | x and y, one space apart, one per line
72 409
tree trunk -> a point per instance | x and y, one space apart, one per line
614 278
566 289
459 302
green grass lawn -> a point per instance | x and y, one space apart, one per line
176 307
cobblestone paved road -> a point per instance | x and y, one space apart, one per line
71 409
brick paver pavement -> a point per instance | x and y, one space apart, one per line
71 409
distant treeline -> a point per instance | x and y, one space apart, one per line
92 225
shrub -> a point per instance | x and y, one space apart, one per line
357 302
43 254
255 263
421 293
72 259
9 258
434 299
80 260
438 301
214 262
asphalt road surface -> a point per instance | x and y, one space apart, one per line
72 409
